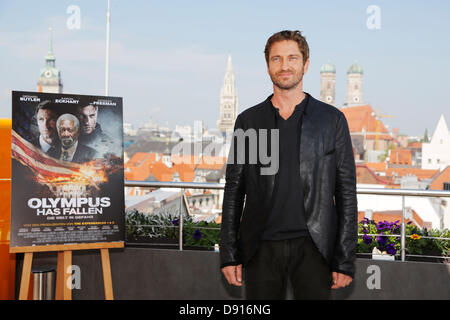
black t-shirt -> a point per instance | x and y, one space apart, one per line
286 220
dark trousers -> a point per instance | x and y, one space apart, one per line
267 273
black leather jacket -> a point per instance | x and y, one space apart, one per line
328 178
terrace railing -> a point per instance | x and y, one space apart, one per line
369 191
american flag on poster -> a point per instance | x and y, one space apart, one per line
52 171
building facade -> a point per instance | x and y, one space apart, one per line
354 95
228 101
50 77
436 153
328 84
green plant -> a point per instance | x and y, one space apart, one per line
416 243
383 241
166 225
161 225
202 233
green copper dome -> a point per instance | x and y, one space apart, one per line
355 68
328 68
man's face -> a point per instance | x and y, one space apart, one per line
286 67
88 119
46 120
68 133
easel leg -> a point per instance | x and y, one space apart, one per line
26 273
59 276
67 291
107 280
64 276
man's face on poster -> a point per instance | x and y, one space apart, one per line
88 118
68 133
46 120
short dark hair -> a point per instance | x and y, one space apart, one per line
288 35
88 105
44 105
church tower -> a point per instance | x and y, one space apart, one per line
354 85
228 101
50 76
328 83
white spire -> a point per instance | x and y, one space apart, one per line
436 153
228 100
50 41
441 131
229 65
228 88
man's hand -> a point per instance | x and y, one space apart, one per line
340 280
233 274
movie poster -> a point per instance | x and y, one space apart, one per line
67 169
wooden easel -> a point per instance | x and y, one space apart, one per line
64 292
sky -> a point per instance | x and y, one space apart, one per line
168 58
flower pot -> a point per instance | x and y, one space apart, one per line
149 242
378 255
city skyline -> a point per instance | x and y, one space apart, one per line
168 60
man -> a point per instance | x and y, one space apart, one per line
71 150
46 121
92 134
299 224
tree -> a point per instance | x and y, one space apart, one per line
425 137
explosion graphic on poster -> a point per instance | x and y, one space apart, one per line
67 169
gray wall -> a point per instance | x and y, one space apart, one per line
143 273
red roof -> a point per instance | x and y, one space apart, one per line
394 215
415 145
418 172
211 163
400 156
440 178
145 164
362 117
376 166
366 175
138 167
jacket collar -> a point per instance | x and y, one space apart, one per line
308 107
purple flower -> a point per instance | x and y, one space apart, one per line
176 222
390 249
367 239
364 230
381 240
197 234
386 225
381 226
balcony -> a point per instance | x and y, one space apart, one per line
140 272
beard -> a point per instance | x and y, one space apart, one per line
287 85
67 142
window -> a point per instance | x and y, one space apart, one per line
438 161
447 186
